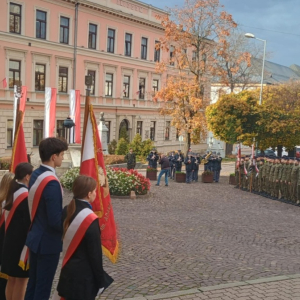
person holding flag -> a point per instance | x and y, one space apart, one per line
44 239
17 222
82 261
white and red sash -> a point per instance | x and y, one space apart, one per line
74 236
19 196
34 198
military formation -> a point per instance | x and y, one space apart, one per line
270 176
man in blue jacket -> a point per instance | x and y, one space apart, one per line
44 239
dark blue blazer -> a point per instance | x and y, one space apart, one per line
45 235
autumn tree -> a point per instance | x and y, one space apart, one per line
233 68
192 33
275 123
234 118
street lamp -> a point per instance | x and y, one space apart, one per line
252 36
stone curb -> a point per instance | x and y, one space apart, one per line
217 287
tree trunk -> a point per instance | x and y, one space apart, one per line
187 143
279 150
229 148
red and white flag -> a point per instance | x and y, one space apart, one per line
252 151
50 110
21 105
92 164
75 116
4 83
238 156
19 150
245 169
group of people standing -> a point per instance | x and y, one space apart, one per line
34 227
270 176
173 163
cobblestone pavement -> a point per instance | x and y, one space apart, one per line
185 237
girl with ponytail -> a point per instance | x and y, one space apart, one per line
82 276
4 185
17 222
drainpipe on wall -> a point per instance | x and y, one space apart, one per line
75 45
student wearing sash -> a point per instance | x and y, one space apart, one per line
44 239
4 185
17 222
82 276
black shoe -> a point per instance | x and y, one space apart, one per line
157 184
166 185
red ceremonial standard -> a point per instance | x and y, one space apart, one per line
92 164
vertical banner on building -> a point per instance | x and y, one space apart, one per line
21 105
50 110
75 116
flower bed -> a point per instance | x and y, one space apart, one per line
122 181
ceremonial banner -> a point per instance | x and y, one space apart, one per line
21 105
75 116
4 83
50 110
19 151
92 164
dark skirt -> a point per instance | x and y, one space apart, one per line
14 241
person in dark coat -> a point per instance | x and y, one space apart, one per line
165 165
217 167
189 165
4 185
16 233
172 165
130 159
179 159
196 167
83 276
44 238
153 158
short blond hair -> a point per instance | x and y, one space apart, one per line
4 185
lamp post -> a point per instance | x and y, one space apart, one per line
252 36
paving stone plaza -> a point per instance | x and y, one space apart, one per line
205 241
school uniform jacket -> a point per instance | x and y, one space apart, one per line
45 235
83 274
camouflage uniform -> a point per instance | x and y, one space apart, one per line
288 180
275 179
294 179
260 176
271 178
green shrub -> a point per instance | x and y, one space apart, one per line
147 146
124 134
136 144
68 178
122 147
112 147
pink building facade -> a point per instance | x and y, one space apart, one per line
56 43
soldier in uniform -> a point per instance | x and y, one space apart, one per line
283 179
179 159
260 175
130 159
288 177
271 177
242 173
153 158
294 179
245 177
276 178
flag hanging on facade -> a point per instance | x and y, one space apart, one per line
19 151
92 164
4 83
75 116
50 110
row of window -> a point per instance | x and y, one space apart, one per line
15 19
38 131
63 76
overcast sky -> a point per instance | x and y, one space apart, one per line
276 21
